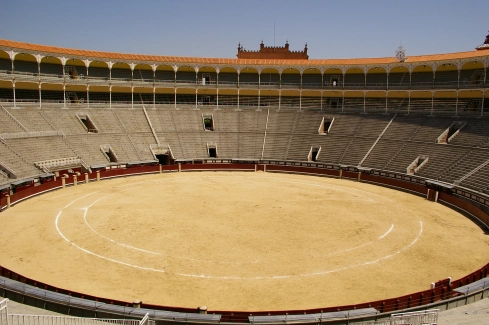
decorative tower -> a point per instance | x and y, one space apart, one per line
273 53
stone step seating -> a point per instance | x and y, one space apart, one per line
21 168
88 148
64 120
475 133
133 120
250 145
300 145
41 148
332 148
478 181
464 165
382 153
346 125
356 150
105 120
142 142
7 124
31 118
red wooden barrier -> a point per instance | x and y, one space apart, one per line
441 291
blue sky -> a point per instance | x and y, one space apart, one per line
213 28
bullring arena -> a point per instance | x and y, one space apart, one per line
239 241
245 190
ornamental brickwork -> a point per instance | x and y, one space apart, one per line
273 53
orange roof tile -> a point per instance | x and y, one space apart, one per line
53 50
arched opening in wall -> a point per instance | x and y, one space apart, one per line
470 102
422 77
207 76
25 64
269 78
53 93
186 77
6 91
354 78
248 78
75 69
121 72
28 92
291 78
98 72
228 78
143 73
399 77
376 78
51 67
312 79
5 63
472 74
164 76
333 77
446 76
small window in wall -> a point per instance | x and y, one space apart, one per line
208 122
212 153
109 153
325 125
314 153
164 159
212 149
88 122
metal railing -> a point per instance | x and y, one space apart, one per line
20 319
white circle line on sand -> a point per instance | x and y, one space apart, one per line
97 255
360 246
235 277
203 276
148 251
224 262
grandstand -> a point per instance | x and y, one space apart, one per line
418 123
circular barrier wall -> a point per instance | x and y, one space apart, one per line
240 241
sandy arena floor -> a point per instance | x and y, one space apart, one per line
238 241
